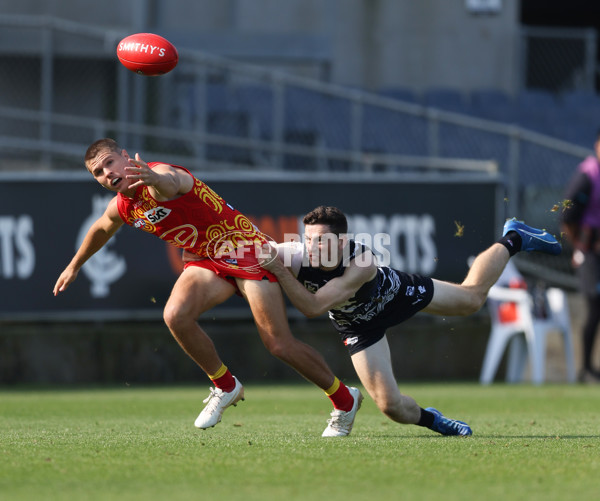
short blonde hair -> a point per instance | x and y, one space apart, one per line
105 144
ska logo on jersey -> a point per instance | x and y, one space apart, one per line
157 214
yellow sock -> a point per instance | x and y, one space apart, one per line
333 388
221 372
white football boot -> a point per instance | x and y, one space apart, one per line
341 422
216 403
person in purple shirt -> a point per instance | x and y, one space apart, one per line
581 226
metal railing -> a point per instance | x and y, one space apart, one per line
64 88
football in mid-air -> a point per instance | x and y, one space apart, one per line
147 54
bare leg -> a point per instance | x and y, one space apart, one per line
487 268
197 290
268 308
374 368
470 296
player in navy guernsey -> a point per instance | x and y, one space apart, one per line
373 305
331 273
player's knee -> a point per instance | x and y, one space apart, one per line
173 317
277 347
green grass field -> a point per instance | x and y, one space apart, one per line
140 444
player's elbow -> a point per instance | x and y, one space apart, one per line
471 305
313 311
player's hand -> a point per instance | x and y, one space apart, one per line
138 169
66 278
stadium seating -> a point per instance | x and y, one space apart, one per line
235 124
389 132
580 100
258 102
492 104
313 118
579 121
400 93
446 99
301 137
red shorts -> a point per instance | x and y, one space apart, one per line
241 264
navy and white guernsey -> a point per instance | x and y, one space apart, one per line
388 299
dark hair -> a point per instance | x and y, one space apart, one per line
106 144
331 216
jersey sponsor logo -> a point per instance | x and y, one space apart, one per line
157 214
139 223
351 341
184 235
311 286
420 297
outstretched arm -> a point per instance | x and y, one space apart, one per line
334 293
164 181
99 233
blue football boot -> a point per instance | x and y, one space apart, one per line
532 238
447 426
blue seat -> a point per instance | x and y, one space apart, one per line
535 99
303 137
579 122
258 101
575 128
400 93
333 120
220 97
390 132
580 100
446 99
229 123
300 105
537 110
490 97
493 104
464 142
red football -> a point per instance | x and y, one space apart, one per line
147 54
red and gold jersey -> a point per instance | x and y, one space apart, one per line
199 221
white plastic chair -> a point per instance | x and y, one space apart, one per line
526 335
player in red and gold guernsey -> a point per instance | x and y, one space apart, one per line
168 201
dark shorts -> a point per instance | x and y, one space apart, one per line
589 275
359 336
